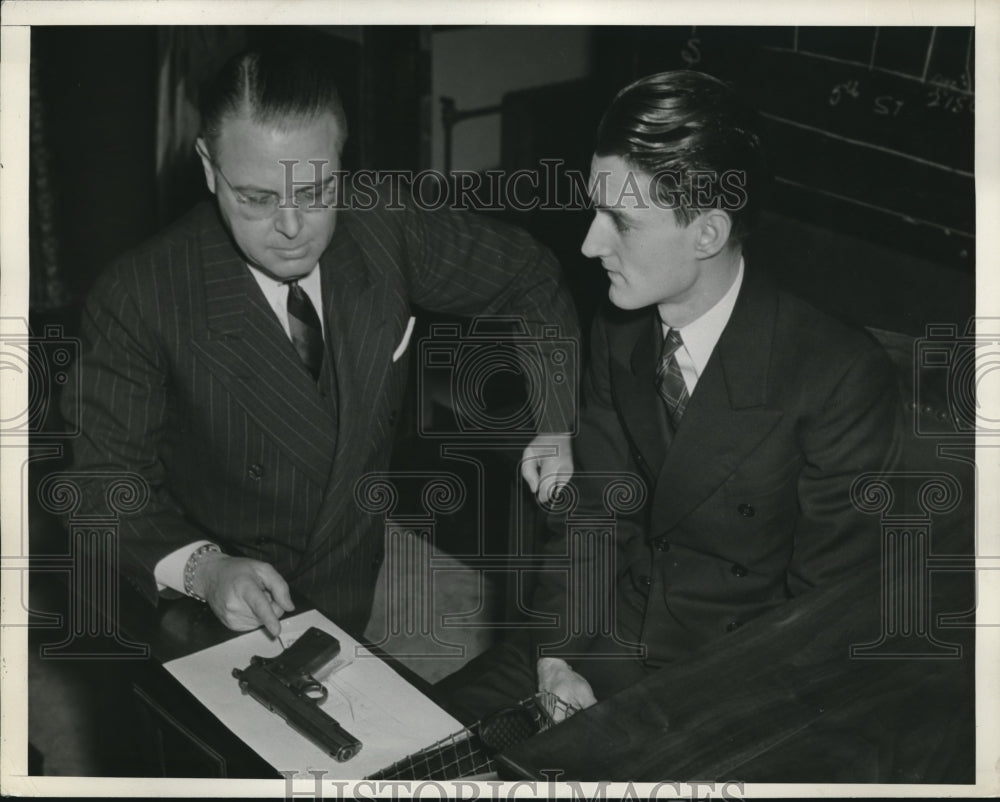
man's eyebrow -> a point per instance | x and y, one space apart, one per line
618 212
299 186
324 181
252 188
315 184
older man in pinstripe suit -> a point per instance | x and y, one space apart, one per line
246 361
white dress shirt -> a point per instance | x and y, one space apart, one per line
169 571
700 335
276 293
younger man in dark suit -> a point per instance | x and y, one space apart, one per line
249 362
742 413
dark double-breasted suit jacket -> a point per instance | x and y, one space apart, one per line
748 504
188 381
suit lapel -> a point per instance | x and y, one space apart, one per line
361 346
727 416
355 314
245 347
634 353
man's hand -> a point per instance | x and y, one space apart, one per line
546 464
243 593
555 676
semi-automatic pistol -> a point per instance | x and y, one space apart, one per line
285 685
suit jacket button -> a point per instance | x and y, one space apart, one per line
255 471
662 544
645 580
746 511
732 626
738 570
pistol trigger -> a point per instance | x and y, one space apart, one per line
312 689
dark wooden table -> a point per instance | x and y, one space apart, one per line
784 700
182 738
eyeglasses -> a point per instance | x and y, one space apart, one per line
262 205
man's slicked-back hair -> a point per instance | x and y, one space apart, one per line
684 123
274 84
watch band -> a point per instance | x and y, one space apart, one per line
192 564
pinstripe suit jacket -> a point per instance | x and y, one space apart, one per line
188 380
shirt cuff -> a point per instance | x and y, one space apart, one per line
169 572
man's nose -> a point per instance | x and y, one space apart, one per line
288 221
594 244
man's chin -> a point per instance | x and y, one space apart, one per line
286 269
622 299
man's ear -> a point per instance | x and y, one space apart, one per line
712 235
206 163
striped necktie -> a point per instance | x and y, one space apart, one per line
669 381
305 328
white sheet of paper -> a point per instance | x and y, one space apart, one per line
390 717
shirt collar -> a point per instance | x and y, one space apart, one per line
308 282
701 335
276 294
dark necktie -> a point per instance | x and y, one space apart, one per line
305 328
669 381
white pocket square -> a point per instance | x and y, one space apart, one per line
401 348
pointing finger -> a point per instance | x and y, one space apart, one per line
260 605
276 587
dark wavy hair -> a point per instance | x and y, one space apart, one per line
277 84
684 123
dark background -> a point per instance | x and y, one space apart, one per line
869 133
